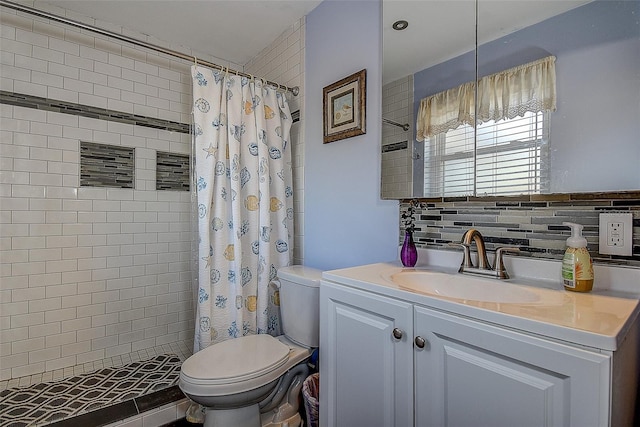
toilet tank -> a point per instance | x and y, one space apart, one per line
300 304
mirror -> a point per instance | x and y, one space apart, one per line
594 132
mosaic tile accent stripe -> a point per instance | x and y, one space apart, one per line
395 146
48 104
48 402
172 171
295 116
103 165
532 223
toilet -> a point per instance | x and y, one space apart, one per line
255 380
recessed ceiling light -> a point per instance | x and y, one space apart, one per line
400 25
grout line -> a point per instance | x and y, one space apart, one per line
135 403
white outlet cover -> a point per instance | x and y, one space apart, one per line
624 247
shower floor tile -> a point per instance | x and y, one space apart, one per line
182 349
46 402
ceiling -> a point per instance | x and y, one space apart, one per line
236 31
232 30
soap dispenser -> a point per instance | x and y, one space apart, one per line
577 268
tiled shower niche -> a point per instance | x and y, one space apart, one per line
172 171
103 165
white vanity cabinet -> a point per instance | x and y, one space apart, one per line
366 359
474 374
388 361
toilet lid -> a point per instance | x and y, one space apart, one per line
236 360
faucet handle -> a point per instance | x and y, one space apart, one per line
466 261
501 272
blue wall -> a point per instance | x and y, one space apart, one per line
596 126
345 221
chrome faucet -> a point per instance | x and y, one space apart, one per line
484 268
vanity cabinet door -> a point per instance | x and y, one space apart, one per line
366 359
473 374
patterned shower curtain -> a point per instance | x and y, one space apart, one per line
244 201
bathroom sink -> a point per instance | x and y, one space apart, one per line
462 287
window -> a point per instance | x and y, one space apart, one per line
507 152
511 158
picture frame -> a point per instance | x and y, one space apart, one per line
344 107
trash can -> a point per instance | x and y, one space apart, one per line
311 394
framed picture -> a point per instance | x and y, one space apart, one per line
344 107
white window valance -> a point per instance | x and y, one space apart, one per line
504 95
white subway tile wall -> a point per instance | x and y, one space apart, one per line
397 104
89 274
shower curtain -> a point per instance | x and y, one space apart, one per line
244 198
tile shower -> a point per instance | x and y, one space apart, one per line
91 276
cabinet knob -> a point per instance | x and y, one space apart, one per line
420 342
397 333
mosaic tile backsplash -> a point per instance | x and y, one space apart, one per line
531 223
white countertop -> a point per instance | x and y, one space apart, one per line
595 319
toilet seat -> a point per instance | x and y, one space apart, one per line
238 365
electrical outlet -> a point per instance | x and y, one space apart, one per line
616 233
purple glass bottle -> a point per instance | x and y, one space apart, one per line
409 253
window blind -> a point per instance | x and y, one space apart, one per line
511 157
508 150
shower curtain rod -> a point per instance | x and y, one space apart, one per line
405 127
15 6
